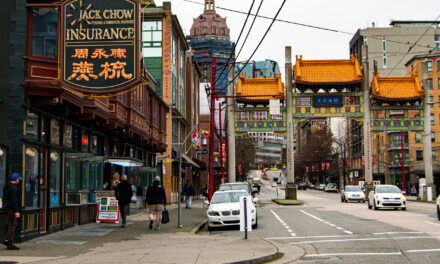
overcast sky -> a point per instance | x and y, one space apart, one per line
341 15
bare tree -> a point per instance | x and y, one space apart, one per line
244 153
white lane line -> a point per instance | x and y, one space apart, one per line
326 222
423 250
289 230
357 254
360 239
282 238
432 223
282 222
395 233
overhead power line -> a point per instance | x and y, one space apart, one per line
310 26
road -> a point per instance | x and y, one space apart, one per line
328 230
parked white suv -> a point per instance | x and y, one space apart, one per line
386 196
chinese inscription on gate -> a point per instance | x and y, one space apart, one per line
100 45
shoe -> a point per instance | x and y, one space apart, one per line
157 228
5 242
12 247
123 225
151 225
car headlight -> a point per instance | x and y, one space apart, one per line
379 197
213 213
402 198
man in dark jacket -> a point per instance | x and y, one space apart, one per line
155 198
189 191
11 208
123 193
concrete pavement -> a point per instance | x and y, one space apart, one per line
109 243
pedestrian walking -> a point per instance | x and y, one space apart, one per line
10 205
156 197
123 193
188 191
139 195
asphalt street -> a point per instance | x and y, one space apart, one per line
329 230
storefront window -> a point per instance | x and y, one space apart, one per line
31 177
55 177
72 175
54 132
2 172
85 141
44 35
84 175
67 140
32 125
95 144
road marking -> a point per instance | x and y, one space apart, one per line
356 254
297 237
395 233
282 222
326 222
423 250
360 239
432 223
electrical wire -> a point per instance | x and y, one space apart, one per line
259 44
244 42
310 26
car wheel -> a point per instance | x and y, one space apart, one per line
404 209
254 226
369 206
374 205
363 201
438 213
210 228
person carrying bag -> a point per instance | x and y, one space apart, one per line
156 197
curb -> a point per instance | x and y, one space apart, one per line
198 227
262 259
420 201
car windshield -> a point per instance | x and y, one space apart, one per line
331 185
388 189
353 189
227 197
226 187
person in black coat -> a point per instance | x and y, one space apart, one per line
123 193
10 205
188 191
156 197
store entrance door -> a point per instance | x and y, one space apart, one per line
43 190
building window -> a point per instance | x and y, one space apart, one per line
432 120
175 132
437 42
195 32
419 155
429 66
438 84
429 83
433 155
384 44
94 144
431 99
201 18
84 175
365 40
54 132
31 125
418 138
55 178
44 32
2 172
433 137
85 140
67 137
31 179
152 39
223 31
438 66
214 30
203 30
72 175
384 60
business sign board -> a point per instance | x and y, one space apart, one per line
108 207
100 45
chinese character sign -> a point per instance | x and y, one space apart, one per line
100 45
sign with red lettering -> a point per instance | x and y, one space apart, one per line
100 45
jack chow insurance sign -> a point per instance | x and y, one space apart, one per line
100 45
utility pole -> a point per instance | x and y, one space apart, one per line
291 191
427 150
212 130
221 141
367 126
231 126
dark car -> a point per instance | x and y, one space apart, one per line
302 186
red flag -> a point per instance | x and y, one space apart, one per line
195 139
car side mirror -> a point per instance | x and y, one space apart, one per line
206 202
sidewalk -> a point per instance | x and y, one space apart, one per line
109 243
415 199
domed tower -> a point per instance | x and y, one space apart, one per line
209 37
210 24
